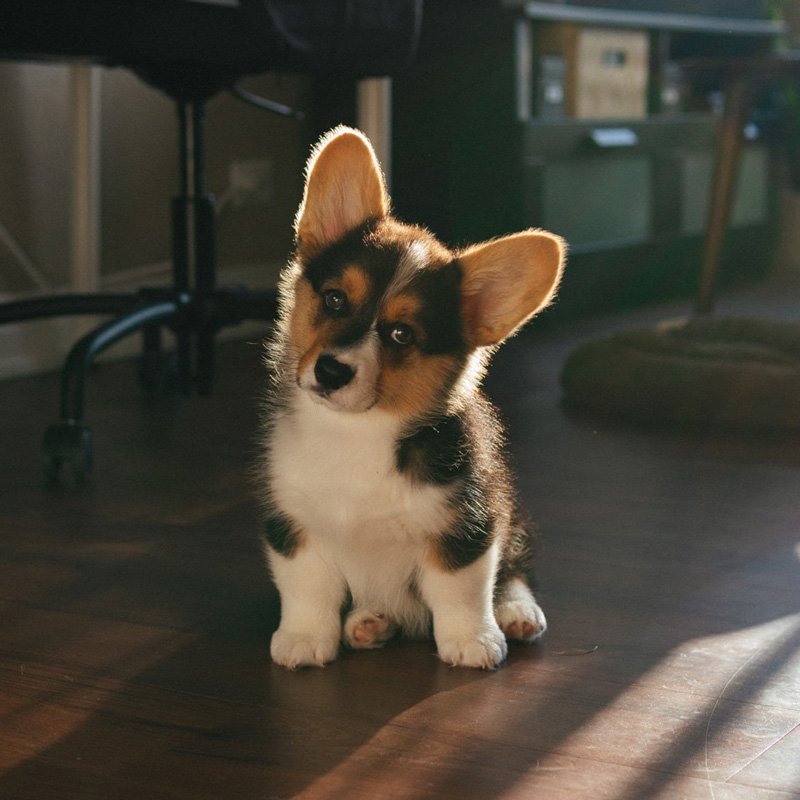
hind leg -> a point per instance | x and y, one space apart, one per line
366 630
517 612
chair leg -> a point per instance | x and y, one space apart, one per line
68 442
67 445
157 370
206 361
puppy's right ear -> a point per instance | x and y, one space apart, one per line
344 188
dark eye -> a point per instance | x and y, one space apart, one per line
401 334
335 300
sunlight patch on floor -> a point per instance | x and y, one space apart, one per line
703 716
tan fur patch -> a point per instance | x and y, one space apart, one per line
435 556
416 386
301 323
308 338
443 556
354 284
436 551
310 355
300 541
401 308
297 543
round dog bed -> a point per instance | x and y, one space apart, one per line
730 373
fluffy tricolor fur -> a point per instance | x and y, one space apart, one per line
388 505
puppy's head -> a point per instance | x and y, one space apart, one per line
376 313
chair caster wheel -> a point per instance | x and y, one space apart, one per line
70 444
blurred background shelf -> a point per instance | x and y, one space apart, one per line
578 118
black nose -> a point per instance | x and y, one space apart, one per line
332 374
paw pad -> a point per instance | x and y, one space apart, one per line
368 629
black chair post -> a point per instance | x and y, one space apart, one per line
205 252
187 307
183 226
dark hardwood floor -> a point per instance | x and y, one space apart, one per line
135 614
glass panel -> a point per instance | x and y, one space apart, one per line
598 200
750 203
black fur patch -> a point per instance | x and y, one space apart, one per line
439 315
436 454
378 263
281 534
441 454
353 330
472 534
518 557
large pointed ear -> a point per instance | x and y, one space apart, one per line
506 281
344 187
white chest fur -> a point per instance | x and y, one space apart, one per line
334 472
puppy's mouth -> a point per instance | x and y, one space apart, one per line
340 402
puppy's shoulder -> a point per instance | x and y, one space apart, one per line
453 446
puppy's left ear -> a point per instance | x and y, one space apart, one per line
344 188
506 281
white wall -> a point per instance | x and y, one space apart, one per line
139 176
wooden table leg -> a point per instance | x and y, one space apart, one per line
726 164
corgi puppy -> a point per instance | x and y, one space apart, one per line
389 507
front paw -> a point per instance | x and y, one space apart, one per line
295 650
485 649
